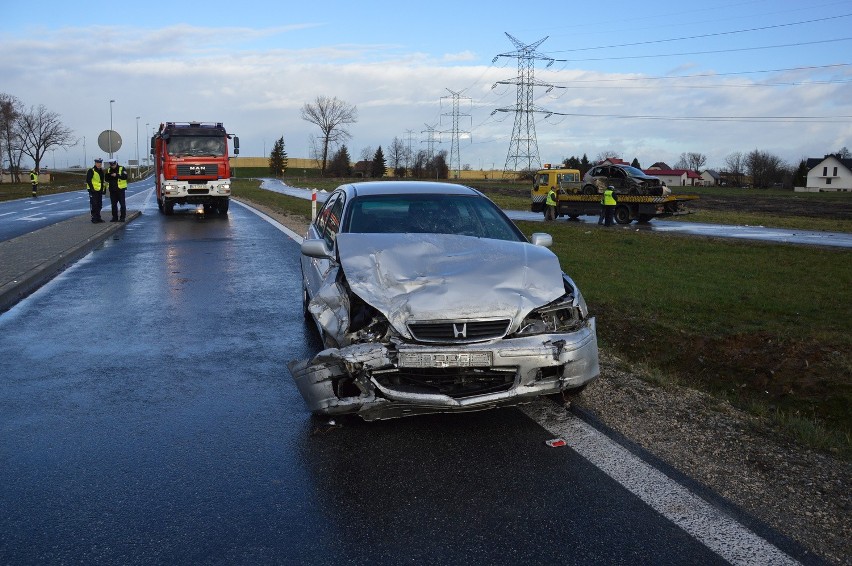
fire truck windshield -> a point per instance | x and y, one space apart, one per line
196 145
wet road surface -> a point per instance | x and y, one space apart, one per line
146 416
26 215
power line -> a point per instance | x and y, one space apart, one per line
735 50
703 36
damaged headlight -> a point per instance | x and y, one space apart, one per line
562 315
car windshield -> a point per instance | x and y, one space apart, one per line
634 172
197 145
431 214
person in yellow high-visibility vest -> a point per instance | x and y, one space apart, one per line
96 184
117 180
550 205
34 181
609 203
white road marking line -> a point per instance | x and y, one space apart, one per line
7 213
272 221
717 531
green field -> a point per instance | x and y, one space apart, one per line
768 327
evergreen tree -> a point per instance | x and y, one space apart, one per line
800 176
278 158
635 163
571 163
377 170
584 165
339 166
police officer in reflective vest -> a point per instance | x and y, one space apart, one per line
608 203
550 205
96 185
34 181
117 181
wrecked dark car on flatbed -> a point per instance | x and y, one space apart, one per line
429 299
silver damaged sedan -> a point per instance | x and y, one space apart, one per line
429 299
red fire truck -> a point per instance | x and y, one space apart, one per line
192 165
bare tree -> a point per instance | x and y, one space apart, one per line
41 130
330 115
397 156
734 166
765 168
843 153
607 154
367 153
10 141
692 161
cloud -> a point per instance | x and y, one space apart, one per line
255 83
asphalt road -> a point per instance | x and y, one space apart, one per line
21 216
147 417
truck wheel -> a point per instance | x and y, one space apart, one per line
590 190
160 205
168 208
622 214
223 206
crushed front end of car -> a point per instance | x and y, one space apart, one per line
441 323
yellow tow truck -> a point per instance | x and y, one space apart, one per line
571 201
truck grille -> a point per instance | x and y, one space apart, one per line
191 170
462 331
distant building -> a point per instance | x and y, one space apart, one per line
677 177
660 165
711 178
829 173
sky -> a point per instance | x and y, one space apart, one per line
648 80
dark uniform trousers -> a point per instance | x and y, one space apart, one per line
117 199
96 203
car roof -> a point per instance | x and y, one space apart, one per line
370 188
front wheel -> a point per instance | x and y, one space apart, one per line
622 214
223 205
590 190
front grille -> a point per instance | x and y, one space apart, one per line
461 331
453 382
191 170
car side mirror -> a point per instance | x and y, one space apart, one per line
316 248
541 239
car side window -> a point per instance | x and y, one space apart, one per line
322 215
332 224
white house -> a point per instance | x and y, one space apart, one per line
830 173
711 178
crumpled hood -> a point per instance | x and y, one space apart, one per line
432 277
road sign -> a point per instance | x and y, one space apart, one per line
109 141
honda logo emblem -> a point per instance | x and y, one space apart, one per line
460 330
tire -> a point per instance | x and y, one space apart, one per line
168 208
224 202
622 214
590 190
160 206
305 301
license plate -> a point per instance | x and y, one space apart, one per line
444 359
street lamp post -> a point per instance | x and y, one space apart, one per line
109 135
85 157
137 146
147 146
